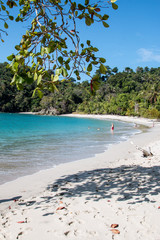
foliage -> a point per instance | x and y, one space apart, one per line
123 93
52 41
12 100
5 15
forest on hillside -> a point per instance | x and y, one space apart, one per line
131 93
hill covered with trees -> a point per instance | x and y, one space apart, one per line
132 93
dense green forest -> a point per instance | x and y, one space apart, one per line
132 93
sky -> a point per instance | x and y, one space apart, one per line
132 40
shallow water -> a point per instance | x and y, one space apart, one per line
29 143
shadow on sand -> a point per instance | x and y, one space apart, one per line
10 199
132 183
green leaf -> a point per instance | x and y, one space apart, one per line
95 62
112 1
67 66
17 19
105 24
13 79
89 68
19 86
81 16
5 25
56 78
76 72
88 21
88 42
18 57
87 59
95 49
76 13
103 60
3 7
11 17
58 71
40 94
33 65
39 60
97 9
42 51
98 15
64 72
53 87
102 69
48 50
81 7
86 2
54 67
10 58
11 4
114 6
15 66
60 60
35 76
105 17
73 6
52 77
17 47
39 79
34 93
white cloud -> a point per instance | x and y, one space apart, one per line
147 55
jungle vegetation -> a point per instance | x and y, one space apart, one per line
131 93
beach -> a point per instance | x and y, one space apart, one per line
114 195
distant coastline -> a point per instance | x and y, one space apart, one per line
137 120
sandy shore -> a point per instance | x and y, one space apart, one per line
82 199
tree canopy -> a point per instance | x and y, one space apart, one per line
52 40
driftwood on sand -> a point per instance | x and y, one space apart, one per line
145 152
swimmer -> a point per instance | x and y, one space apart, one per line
112 127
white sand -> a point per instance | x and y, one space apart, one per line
80 200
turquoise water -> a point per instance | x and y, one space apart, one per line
29 143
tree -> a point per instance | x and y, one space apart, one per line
5 15
139 70
128 70
115 70
53 27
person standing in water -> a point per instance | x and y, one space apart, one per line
112 127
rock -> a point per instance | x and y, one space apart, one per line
49 111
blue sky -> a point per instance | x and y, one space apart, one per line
133 38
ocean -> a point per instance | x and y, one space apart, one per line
30 143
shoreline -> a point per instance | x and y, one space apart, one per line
139 120
140 128
30 171
86 184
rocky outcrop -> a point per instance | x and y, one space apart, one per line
49 111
